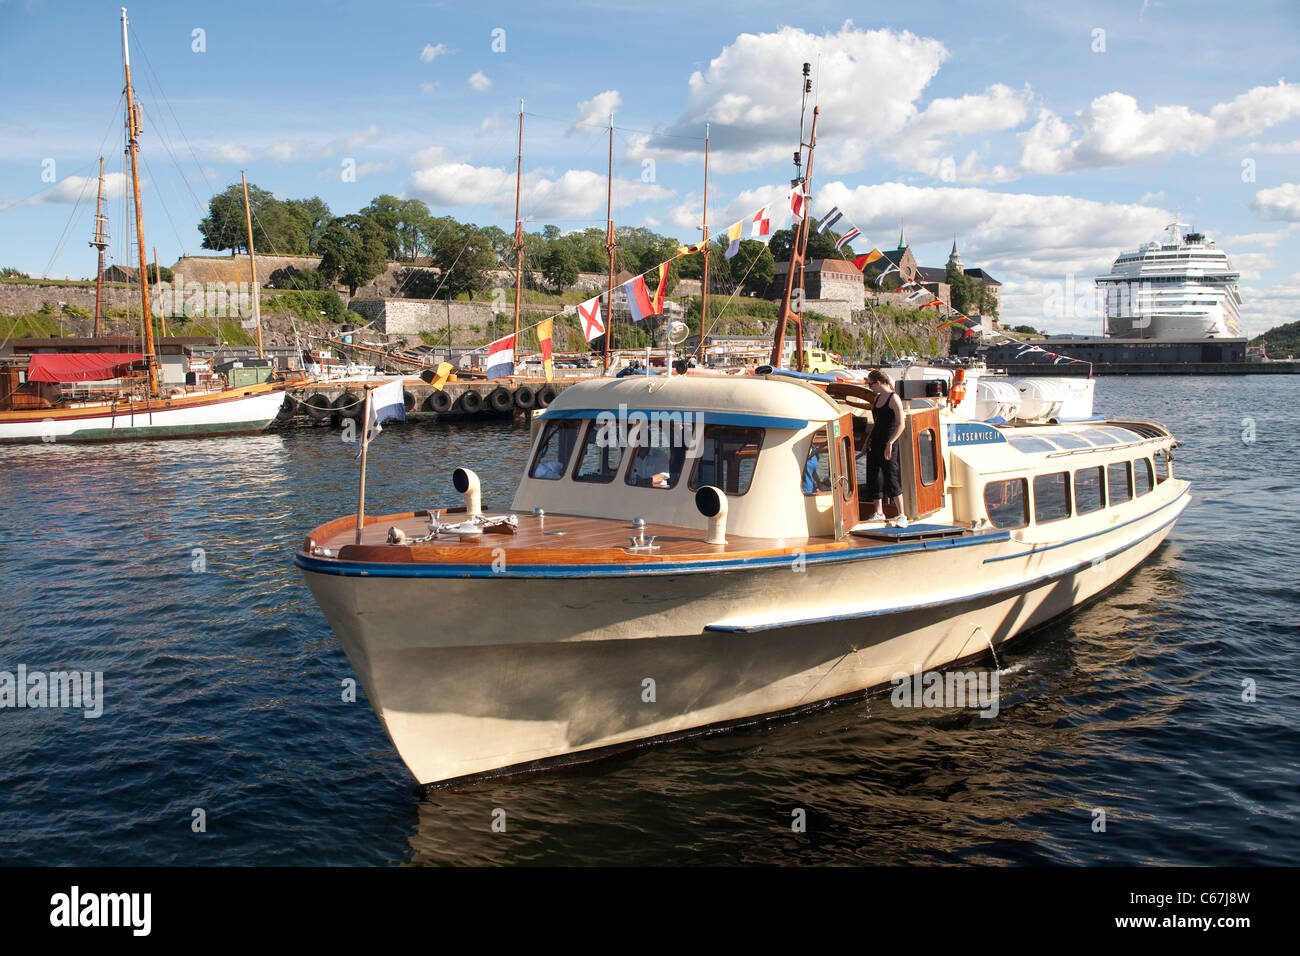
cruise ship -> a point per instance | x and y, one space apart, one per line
1176 287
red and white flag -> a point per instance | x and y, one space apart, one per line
797 202
593 326
761 227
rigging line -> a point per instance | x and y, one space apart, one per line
163 205
58 246
180 129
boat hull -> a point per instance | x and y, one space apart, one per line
476 675
192 416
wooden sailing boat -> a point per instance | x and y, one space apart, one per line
131 402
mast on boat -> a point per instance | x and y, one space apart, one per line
519 225
252 265
610 245
133 127
799 248
100 242
704 231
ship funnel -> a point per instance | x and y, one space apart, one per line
466 483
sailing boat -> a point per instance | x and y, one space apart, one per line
39 409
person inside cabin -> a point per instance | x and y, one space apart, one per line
816 470
883 479
650 468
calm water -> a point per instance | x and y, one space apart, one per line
223 689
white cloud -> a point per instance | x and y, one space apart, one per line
1114 131
478 82
1152 197
1291 147
595 111
867 82
1265 307
490 122
922 143
426 89
70 188
575 194
1032 244
1281 202
1266 239
431 52
293 151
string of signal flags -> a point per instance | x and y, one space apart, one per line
642 302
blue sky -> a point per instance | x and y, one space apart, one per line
1046 138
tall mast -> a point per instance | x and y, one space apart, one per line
704 229
799 248
610 245
100 242
133 147
252 265
519 225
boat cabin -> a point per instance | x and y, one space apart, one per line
788 454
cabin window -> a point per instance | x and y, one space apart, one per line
1162 465
555 449
658 456
817 466
928 446
1089 490
1120 482
1051 497
728 456
599 460
1007 502
1143 481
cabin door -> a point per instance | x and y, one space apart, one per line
844 484
927 475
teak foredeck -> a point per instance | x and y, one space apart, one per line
553 540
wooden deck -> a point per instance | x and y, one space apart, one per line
554 539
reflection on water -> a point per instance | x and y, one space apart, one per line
223 689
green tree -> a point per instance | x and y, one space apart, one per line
9 272
560 268
403 222
352 251
753 266
819 247
278 227
314 217
464 254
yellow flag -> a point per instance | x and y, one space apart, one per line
440 375
544 330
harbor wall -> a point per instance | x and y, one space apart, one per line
413 316
24 298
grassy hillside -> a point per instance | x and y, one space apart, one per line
1280 341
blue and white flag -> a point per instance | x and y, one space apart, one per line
386 404
828 220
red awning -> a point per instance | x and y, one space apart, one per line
80 366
